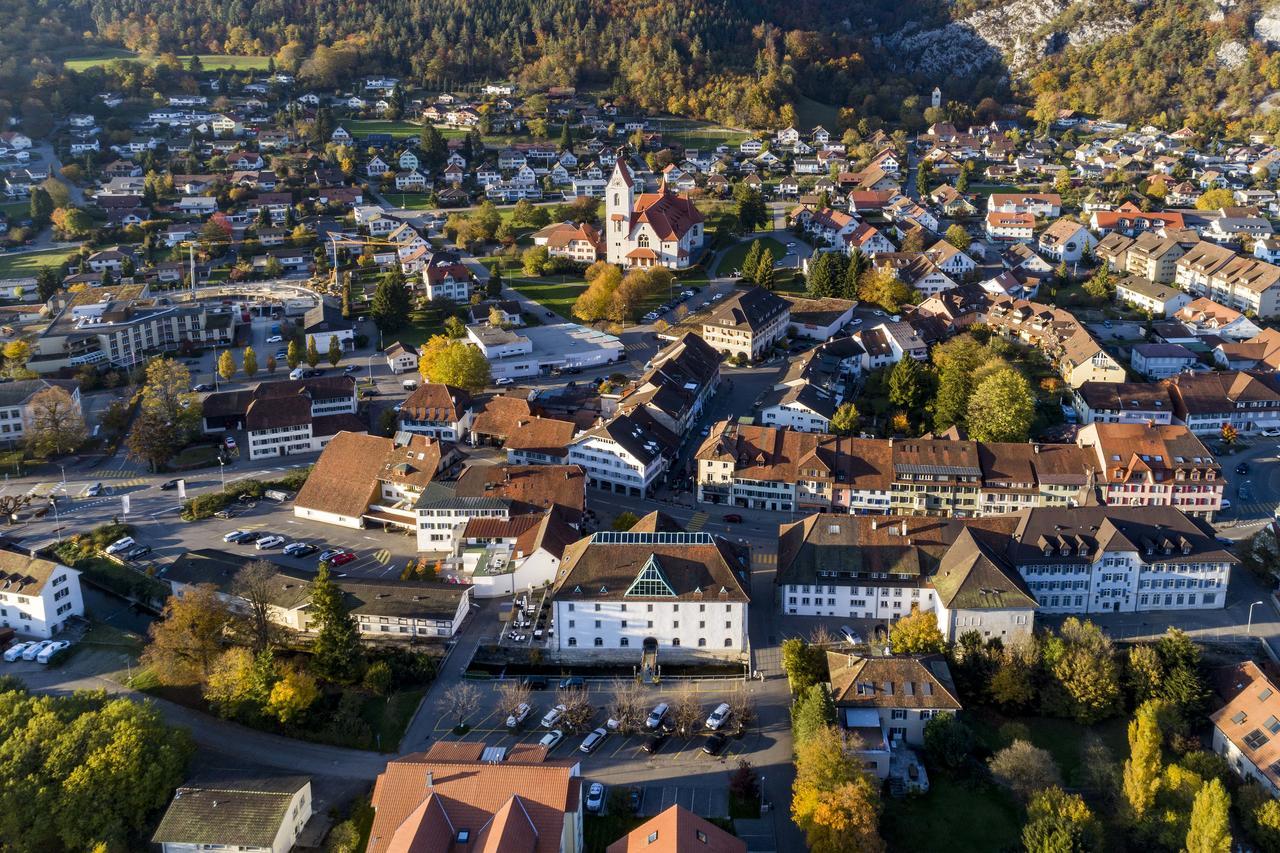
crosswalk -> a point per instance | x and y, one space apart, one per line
1255 509
696 522
635 347
765 559
382 556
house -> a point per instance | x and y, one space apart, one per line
1017 226
819 319
324 322
1205 318
1160 300
653 590
626 454
679 381
236 811
799 407
286 417
1066 241
37 596
1249 401
18 415
1149 465
1123 402
455 798
1039 205
445 276
439 411
649 229
884 703
677 830
530 489
747 323
580 243
1246 724
401 358
1160 361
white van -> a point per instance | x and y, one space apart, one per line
409 384
296 373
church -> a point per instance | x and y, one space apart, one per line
649 229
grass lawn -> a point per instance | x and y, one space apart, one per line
599 831
27 264
197 456
557 293
988 189
16 209
1062 738
732 259
210 61
409 201
401 128
969 815
389 717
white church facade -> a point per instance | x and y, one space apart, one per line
662 229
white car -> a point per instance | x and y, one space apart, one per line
593 740
518 716
1272 432
551 738
275 339
595 797
656 715
269 542
234 535
15 651
123 544
553 716
52 649
30 652
719 716
503 380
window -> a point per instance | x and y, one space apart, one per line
573 641
599 642
702 642
898 714
653 836
624 642
1255 739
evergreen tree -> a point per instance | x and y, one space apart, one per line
751 262
858 264
820 282
435 149
566 141
336 650
764 272
907 384
335 350
390 306
41 207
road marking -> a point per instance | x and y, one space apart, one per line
695 523
768 559
383 556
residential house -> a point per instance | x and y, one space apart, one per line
401 358
1249 401
1123 402
38 597
438 411
1160 300
288 416
677 830
1245 726
1066 241
236 811
1149 465
1160 361
747 323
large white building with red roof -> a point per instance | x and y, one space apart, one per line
662 229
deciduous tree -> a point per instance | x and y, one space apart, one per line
1024 769
257 584
335 350
459 701
249 362
57 427
1001 407
958 237
226 365
292 695
453 362
1141 778
1058 822
1210 830
187 640
313 354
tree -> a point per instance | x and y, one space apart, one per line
249 362
744 782
1058 822
293 356
313 355
168 415
459 701
1085 683
948 741
48 282
435 149
1101 285
389 307
578 708
1210 830
908 384
833 800
764 272
41 207
1001 407
512 693
271 364
292 695
1144 673
596 302
335 350
188 638
452 362
812 713
1141 778
752 261
226 365
846 419
256 585
958 237
916 634
624 521
57 427
71 222
235 685
627 705
1012 686
882 288
336 649
1215 199
805 665
1024 769
752 213
686 710
825 272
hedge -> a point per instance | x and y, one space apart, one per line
206 505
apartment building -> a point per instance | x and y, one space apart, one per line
1244 283
16 412
1123 403
1155 258
1079 357
437 411
676 385
1206 402
1159 299
1150 465
286 417
37 596
626 454
747 323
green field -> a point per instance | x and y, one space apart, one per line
971 816
409 201
211 61
697 134
557 293
811 113
16 209
26 264
398 129
734 256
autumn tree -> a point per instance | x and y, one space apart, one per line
1024 769
57 427
459 701
313 354
804 664
578 708
512 693
453 362
168 414
833 800
627 705
187 640
916 634
249 362
335 351
1215 199
846 419
1210 830
336 649
293 355
1061 823
1001 408
256 584
958 237
292 694
1141 778
226 365
880 287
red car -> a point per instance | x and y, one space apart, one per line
733 518
342 559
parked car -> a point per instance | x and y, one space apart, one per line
275 339
553 716
282 354
229 441
120 545
654 742
236 536
299 549
202 387
92 491
49 652
519 715
551 739
169 485
312 373
1272 432
138 552
30 652
851 636
503 380
634 798
715 743
656 716
595 797
535 682
572 681
719 716
592 741
328 554
1242 468
351 368
15 651
271 541
343 558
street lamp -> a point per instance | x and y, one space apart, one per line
222 471
1249 629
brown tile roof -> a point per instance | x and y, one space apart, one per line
542 486
421 801
23 574
898 681
344 480
436 402
275 413
697 567
541 435
1250 715
1126 453
1208 393
677 830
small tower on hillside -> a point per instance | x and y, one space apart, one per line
619 202
936 100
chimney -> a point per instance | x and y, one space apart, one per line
904 527
1037 448
431 782
875 525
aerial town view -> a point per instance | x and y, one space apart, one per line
571 426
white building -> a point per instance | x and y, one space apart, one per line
537 350
236 812
37 596
16 412
625 455
673 594
1245 729
649 229
439 411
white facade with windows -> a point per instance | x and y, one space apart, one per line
1126 582
37 597
709 625
865 600
610 466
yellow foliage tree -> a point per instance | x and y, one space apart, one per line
295 692
916 634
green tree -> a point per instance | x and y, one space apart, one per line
624 521
250 362
293 356
335 654
47 283
752 261
226 365
908 384
958 237
1215 199
534 260
824 273
764 274
858 264
335 350
1058 822
1025 769
453 362
752 213
1101 285
389 307
435 150
1141 779
846 419
41 207
168 415
812 712
948 741
1081 661
917 634
313 354
1210 830
1001 407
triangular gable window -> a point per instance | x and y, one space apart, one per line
651 582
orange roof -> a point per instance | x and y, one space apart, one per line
677 830
670 214
1252 709
643 252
